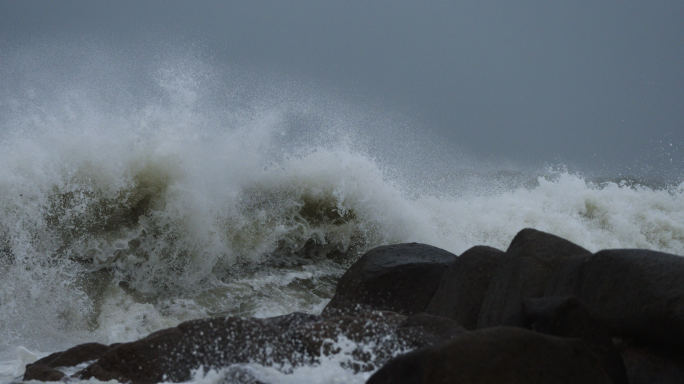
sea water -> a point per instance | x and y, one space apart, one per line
135 195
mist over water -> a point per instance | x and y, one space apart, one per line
140 191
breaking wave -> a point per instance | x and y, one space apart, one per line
127 206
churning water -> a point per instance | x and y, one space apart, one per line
136 196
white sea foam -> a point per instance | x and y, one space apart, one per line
124 210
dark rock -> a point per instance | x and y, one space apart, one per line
377 336
42 373
523 272
74 356
638 294
563 316
148 360
171 354
422 330
572 302
497 355
284 341
43 369
568 317
399 278
290 321
464 285
652 365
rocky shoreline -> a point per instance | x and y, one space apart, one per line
544 311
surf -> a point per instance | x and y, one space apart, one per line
129 205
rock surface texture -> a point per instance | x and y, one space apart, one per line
497 355
171 354
401 278
291 340
464 285
44 369
568 317
523 272
544 311
638 293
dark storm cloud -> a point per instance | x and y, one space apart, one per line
592 83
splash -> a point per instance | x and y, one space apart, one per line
136 196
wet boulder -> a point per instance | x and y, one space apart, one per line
497 355
647 364
43 369
42 372
373 338
523 272
638 294
464 285
171 354
75 356
567 316
400 278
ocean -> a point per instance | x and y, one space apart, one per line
134 197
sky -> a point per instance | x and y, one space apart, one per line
596 84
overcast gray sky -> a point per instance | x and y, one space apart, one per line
591 82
